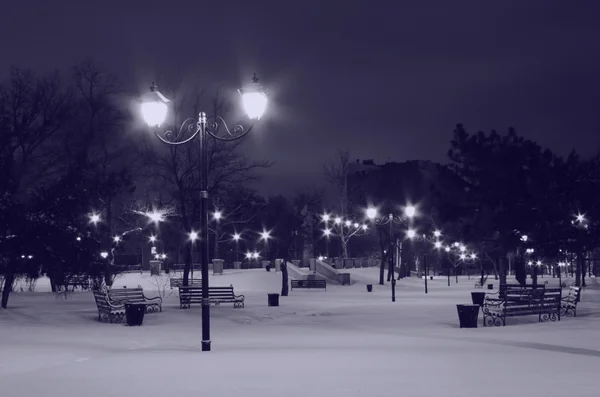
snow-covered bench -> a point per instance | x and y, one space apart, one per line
216 296
527 300
108 310
135 295
568 305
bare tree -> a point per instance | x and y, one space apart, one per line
98 143
32 111
233 214
336 173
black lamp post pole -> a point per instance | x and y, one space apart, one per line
202 139
391 256
426 276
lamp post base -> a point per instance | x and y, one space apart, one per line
205 345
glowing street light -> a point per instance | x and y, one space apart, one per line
371 213
438 244
365 227
265 235
236 237
410 211
580 218
78 238
338 220
155 216
94 218
217 215
327 232
104 254
348 223
117 239
193 236
411 233
473 256
325 217
437 234
447 249
524 238
254 99
152 239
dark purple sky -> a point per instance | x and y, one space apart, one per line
384 79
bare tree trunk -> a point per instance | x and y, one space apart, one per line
187 266
9 278
216 242
502 269
578 268
284 278
344 243
108 277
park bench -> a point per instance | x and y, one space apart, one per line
568 305
309 284
134 295
178 282
518 300
216 296
82 282
108 310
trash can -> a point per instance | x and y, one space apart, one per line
369 287
134 313
273 299
467 315
490 286
478 298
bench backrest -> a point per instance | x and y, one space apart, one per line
315 282
520 292
130 294
101 301
213 292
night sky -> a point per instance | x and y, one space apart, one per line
387 80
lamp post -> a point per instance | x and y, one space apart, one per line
372 214
154 111
236 237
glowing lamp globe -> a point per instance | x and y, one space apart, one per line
254 99
411 233
154 108
154 113
371 213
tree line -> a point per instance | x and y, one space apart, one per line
70 146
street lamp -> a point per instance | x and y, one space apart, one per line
94 218
154 112
236 237
373 215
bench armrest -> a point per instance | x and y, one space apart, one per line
153 298
239 297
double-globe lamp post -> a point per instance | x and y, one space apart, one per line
373 215
154 112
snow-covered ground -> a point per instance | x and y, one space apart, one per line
340 342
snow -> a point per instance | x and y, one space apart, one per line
340 342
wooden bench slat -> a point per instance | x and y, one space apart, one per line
216 295
518 300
